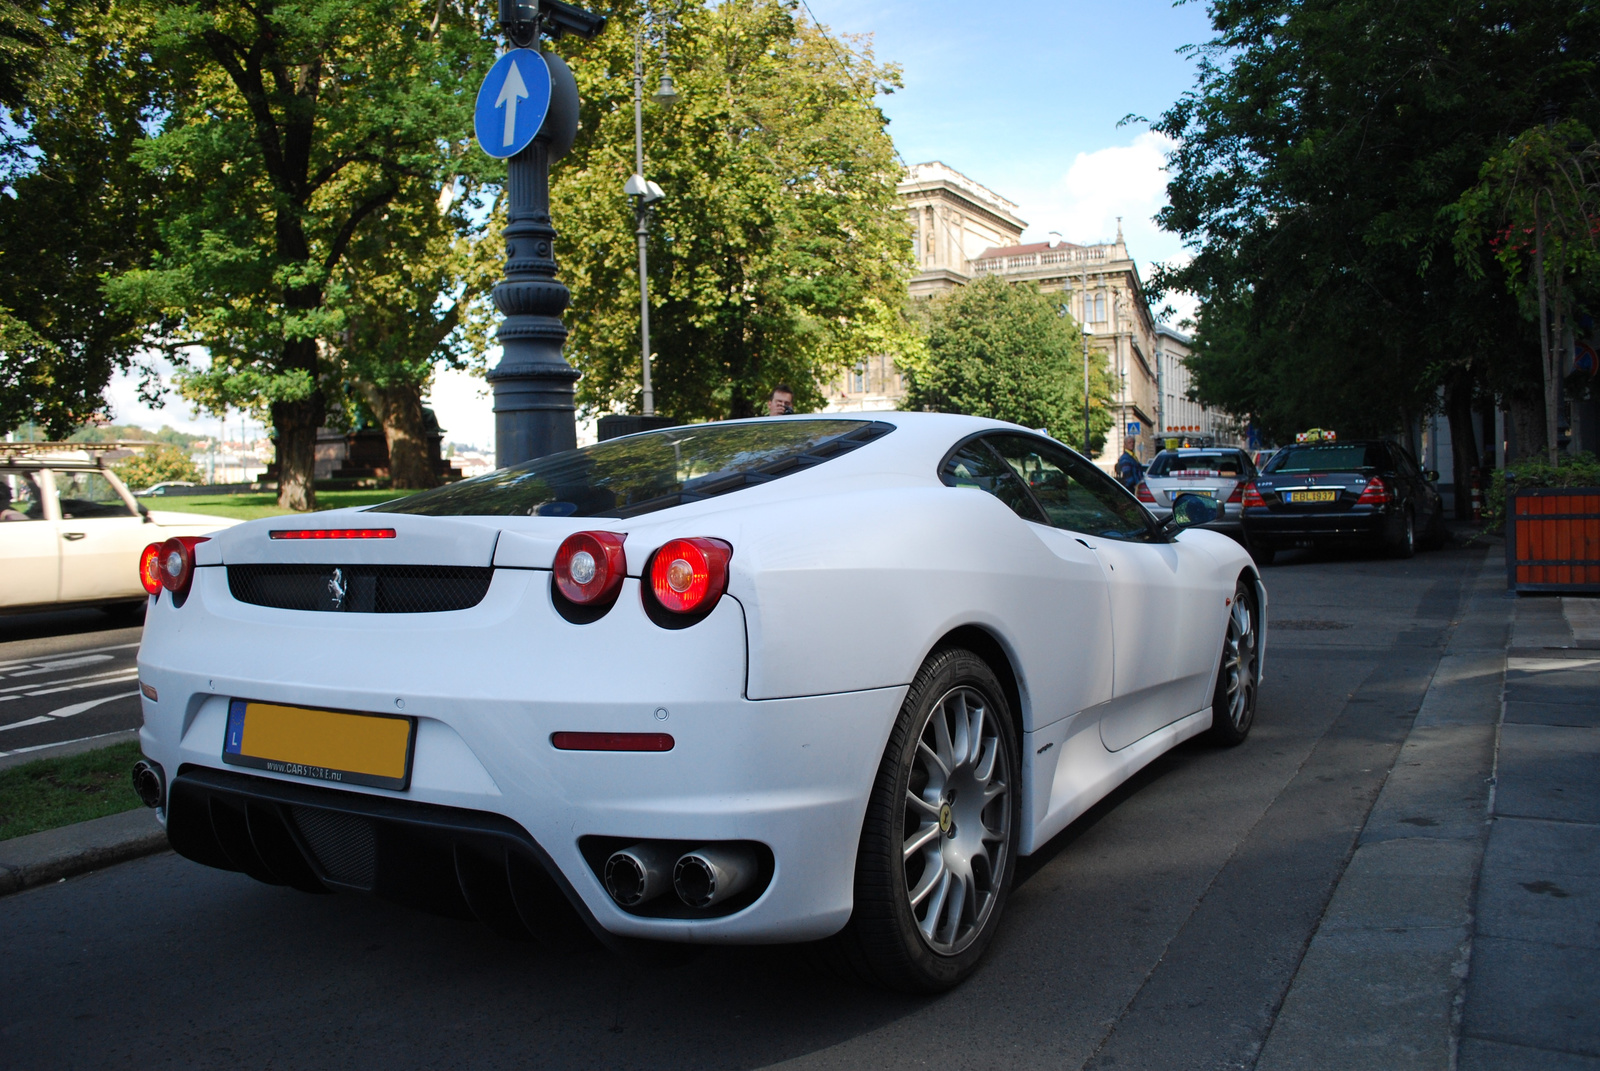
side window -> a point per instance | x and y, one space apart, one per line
1074 493
20 497
88 494
1403 462
976 466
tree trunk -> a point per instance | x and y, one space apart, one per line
1463 440
399 409
296 426
1527 428
1552 385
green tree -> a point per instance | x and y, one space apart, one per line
156 464
413 295
1537 206
1317 159
778 254
76 88
296 124
1011 353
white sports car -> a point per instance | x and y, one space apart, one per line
771 680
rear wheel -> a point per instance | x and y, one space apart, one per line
1403 544
1233 704
938 845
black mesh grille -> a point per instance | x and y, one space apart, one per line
344 844
361 589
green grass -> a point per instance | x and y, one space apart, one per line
249 507
58 792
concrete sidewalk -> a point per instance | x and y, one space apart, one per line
1533 993
1463 933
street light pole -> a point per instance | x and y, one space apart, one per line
647 193
1084 253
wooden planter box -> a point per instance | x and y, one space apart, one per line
1553 539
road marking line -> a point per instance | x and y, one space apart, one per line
65 663
60 743
40 720
88 704
88 684
6 666
70 680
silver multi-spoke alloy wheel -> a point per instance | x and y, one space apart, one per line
957 821
1233 707
1239 664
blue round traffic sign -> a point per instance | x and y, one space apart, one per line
512 103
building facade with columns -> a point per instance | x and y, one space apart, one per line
961 230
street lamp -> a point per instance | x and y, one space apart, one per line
646 193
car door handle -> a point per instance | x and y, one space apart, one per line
1087 544
73 535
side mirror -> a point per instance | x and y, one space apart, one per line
1189 510
1431 475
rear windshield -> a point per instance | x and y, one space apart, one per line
1327 457
1168 463
646 472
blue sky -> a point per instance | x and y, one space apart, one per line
1025 97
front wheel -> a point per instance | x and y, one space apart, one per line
1233 704
938 846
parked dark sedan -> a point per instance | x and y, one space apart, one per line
1361 493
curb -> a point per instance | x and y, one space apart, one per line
56 854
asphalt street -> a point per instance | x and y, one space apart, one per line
66 675
1160 931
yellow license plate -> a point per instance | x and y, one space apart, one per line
324 745
1312 496
1203 492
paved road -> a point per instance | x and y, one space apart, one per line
1160 931
66 675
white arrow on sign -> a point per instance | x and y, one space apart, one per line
513 89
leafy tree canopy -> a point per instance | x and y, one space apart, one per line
295 126
1317 158
1011 353
77 88
156 464
778 254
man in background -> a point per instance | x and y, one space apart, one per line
1129 470
781 402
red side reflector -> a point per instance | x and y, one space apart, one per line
149 691
611 741
332 533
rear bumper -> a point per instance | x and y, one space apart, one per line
488 686
1358 526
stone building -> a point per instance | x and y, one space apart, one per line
1180 419
960 230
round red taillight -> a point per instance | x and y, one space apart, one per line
590 566
688 576
150 568
175 563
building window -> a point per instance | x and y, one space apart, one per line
1099 309
860 381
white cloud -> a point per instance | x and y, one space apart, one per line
1084 203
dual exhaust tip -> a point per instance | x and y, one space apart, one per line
702 878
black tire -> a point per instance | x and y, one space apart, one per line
1233 703
1403 544
885 942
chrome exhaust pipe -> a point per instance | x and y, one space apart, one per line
642 872
712 874
148 783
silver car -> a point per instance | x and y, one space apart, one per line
1217 473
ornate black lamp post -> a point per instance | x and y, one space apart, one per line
533 407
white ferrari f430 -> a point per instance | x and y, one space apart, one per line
775 680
